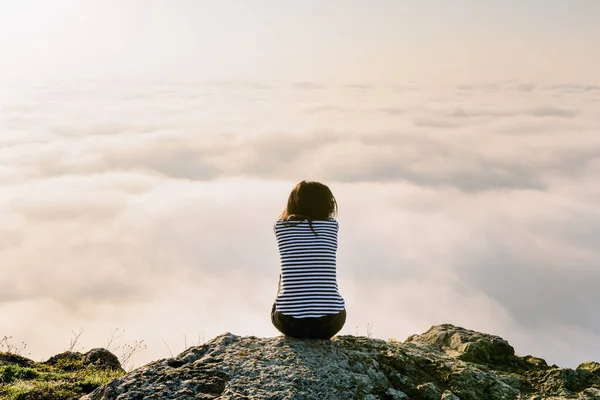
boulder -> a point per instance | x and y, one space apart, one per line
15 359
590 366
466 345
102 358
73 360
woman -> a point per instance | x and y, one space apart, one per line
308 303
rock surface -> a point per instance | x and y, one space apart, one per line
99 358
14 359
444 363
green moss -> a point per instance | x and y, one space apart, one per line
10 373
65 380
590 366
9 358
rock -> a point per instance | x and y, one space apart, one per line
535 362
590 366
590 394
15 359
465 344
444 363
429 391
394 394
65 360
563 381
72 360
102 358
448 395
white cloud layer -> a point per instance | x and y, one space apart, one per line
149 207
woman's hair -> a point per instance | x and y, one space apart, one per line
311 201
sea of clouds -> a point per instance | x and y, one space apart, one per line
148 207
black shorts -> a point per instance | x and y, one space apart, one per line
324 327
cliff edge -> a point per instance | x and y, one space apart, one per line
445 363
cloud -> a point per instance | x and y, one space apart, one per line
540 111
150 206
525 87
537 257
574 87
552 112
392 111
359 87
396 156
488 87
308 86
428 122
325 108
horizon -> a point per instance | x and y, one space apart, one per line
145 152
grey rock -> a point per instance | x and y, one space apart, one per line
535 361
448 395
394 394
429 391
590 394
445 363
466 344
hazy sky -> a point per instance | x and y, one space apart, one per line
147 147
344 41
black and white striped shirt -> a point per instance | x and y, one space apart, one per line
308 269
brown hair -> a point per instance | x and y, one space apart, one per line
311 201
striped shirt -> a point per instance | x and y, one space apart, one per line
308 286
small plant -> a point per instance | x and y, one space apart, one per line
74 340
185 343
168 348
126 350
7 347
369 330
114 335
192 344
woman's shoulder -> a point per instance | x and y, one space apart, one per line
305 220
292 223
329 220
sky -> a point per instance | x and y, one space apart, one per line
381 41
146 149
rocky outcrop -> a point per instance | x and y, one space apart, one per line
14 359
71 360
444 363
591 366
467 345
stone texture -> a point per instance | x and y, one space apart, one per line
445 363
465 344
590 366
72 360
102 358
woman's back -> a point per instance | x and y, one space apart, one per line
308 268
308 304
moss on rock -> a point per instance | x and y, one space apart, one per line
66 376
